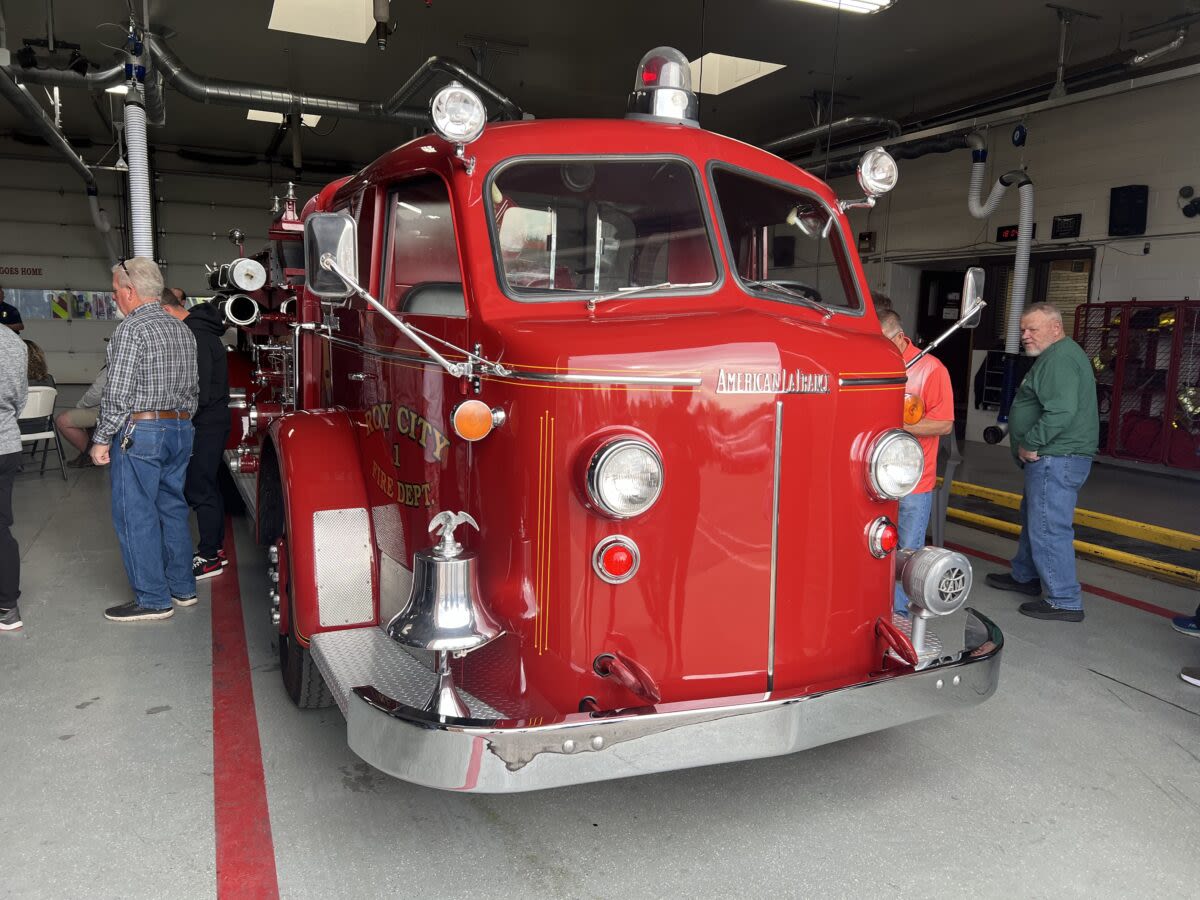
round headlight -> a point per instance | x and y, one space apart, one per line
895 465
625 478
877 172
458 114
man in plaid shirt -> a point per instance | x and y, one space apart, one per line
145 431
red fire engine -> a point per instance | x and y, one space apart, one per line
629 373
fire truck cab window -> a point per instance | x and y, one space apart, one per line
422 254
783 243
599 226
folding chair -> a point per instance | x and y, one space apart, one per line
39 409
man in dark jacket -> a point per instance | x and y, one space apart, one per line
211 422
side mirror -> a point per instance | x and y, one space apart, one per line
331 233
972 298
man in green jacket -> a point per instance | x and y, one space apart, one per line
1054 431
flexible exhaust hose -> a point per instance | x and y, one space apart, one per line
103 225
139 177
1016 303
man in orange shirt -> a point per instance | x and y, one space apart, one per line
930 381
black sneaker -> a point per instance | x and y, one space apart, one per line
205 567
1040 609
10 619
131 612
1005 582
185 601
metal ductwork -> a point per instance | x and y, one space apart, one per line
435 64
809 135
250 96
913 150
92 81
43 125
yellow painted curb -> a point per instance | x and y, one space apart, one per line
1142 531
1163 570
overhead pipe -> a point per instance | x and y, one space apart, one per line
1142 58
915 150
891 126
231 93
43 125
426 72
1011 114
96 80
156 102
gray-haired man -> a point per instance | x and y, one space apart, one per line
145 415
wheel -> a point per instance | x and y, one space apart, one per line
301 678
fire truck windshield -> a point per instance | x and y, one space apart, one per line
603 226
784 243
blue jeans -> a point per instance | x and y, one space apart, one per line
1046 549
914 519
149 512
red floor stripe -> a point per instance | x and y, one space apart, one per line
1089 588
245 849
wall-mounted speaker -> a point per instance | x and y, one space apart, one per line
1127 210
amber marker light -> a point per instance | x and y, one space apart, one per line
473 420
914 409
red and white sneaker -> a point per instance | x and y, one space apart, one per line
223 558
203 567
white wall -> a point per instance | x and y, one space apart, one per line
47 239
1074 156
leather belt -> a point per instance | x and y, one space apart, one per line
160 414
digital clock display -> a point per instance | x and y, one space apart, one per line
1006 234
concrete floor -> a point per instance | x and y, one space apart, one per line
1080 778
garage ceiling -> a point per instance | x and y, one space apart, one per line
910 62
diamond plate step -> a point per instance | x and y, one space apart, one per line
933 644
366 656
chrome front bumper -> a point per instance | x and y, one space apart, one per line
502 756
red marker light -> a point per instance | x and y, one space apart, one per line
882 537
617 561
889 538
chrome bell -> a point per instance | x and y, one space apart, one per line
444 612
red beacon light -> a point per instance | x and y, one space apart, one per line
662 90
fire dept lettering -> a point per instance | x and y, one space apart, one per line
412 425
780 381
404 492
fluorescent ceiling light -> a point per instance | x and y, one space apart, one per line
715 73
339 20
853 6
262 115
410 207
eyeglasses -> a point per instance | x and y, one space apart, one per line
121 263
